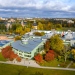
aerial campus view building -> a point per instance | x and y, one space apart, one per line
30 45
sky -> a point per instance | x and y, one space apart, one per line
37 8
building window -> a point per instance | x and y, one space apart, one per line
20 53
27 55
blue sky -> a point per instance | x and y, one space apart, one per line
38 8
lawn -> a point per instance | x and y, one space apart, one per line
6 69
1 57
55 63
68 28
73 65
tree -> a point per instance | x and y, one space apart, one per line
56 43
51 51
47 45
49 26
18 59
39 33
50 55
58 26
12 56
17 38
73 54
40 26
6 51
19 29
38 58
9 54
66 52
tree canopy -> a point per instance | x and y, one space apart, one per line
56 43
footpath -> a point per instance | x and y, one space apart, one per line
32 63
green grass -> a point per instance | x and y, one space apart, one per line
73 65
54 63
6 69
1 57
68 28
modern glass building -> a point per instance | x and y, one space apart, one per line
30 45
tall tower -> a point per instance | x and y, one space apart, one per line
8 25
23 23
35 25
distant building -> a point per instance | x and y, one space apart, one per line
35 25
23 23
8 25
11 20
70 21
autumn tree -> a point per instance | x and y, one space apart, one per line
12 56
47 45
9 54
38 58
40 26
39 33
58 26
17 38
50 55
19 29
56 43
6 51
18 59
49 26
73 54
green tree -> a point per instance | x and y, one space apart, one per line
58 26
19 29
49 26
66 51
56 43
40 26
39 33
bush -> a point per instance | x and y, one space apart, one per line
38 58
18 59
39 33
17 38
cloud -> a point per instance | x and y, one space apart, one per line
38 8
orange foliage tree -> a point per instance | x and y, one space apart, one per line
18 59
8 53
38 58
50 55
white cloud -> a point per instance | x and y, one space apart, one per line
38 6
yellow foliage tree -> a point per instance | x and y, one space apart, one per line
40 26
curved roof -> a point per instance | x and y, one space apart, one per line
31 44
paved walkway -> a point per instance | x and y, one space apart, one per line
32 63
23 62
69 64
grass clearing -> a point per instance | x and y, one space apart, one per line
6 69
72 65
55 63
1 57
